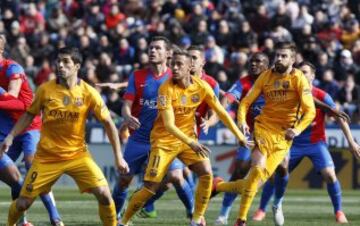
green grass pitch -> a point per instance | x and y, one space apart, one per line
301 207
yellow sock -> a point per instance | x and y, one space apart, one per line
14 214
107 214
231 186
136 202
202 196
256 175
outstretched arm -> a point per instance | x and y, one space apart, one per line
354 147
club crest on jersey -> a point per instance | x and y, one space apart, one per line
183 99
277 84
162 100
79 101
66 100
286 84
153 173
195 98
29 188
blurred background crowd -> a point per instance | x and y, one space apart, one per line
113 36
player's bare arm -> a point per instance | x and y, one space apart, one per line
130 120
24 121
333 111
113 135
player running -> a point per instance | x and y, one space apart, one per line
311 143
285 90
173 136
258 63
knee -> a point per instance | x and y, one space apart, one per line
124 183
23 204
152 186
282 170
329 176
103 195
176 177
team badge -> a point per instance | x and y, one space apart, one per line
162 100
277 84
153 173
66 100
183 99
79 101
29 188
195 98
286 84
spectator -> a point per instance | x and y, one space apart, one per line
351 33
213 50
345 65
20 51
349 96
224 35
329 85
44 73
198 36
114 17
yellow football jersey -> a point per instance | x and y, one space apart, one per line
184 103
64 114
285 96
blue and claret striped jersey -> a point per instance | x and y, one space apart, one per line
143 91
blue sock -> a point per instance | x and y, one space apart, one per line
15 189
149 205
119 197
50 207
191 181
186 196
280 188
334 191
227 202
267 192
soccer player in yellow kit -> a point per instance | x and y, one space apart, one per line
174 135
65 103
287 93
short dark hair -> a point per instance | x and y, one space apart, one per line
73 52
286 45
196 47
162 38
266 58
307 63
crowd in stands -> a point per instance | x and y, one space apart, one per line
113 36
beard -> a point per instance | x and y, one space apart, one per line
280 68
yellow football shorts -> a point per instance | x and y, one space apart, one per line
41 176
272 145
161 158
